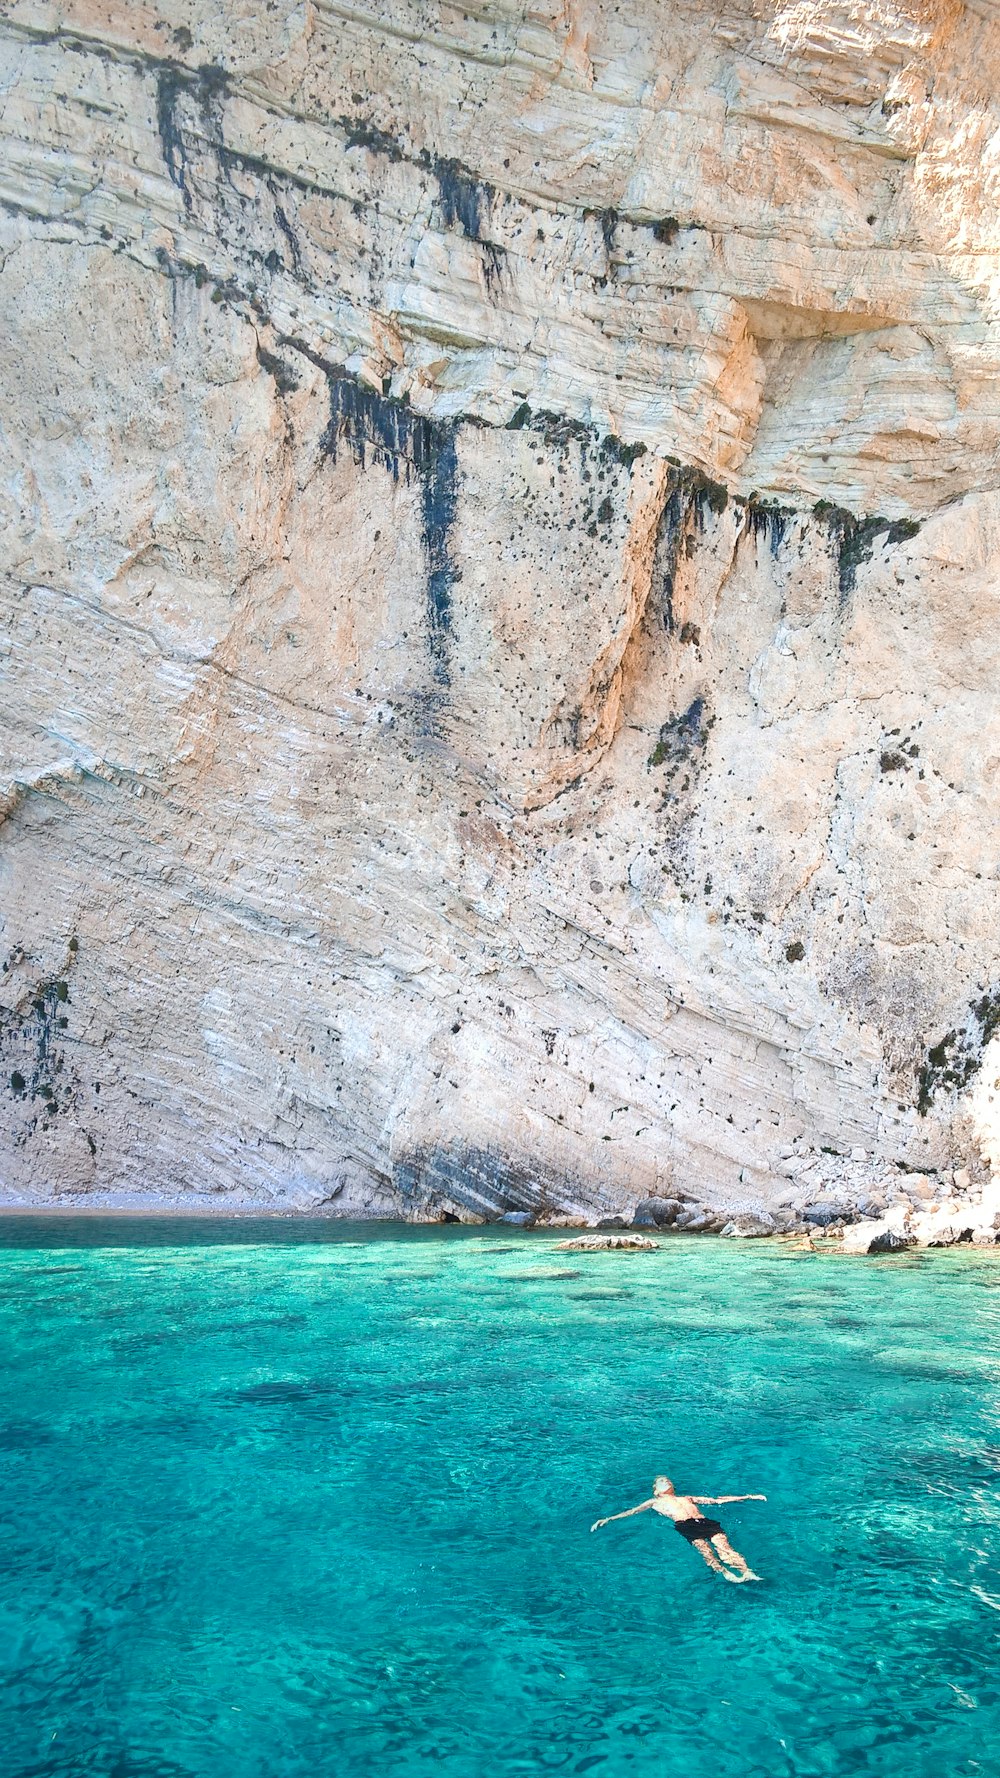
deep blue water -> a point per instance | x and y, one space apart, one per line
288 1500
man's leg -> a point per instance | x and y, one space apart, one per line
733 1557
704 1548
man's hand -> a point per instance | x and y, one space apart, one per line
642 1508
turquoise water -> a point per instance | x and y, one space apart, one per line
283 1501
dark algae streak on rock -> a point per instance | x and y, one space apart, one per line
950 1063
690 500
681 737
32 1055
169 84
388 432
438 496
172 81
285 380
768 520
462 196
360 133
854 538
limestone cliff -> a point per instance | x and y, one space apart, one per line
500 646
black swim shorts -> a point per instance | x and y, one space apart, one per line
693 1529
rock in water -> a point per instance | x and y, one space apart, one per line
748 1228
890 1241
605 1243
876 1237
656 1212
822 1215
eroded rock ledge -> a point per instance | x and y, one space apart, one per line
500 556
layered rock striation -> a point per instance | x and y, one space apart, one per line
500 584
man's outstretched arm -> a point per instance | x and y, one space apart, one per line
644 1508
723 1499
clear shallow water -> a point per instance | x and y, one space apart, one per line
286 1500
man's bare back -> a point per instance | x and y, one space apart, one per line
704 1535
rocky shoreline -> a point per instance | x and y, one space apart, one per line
915 1211
915 1217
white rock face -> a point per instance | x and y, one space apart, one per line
500 554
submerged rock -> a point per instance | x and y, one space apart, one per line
604 1243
